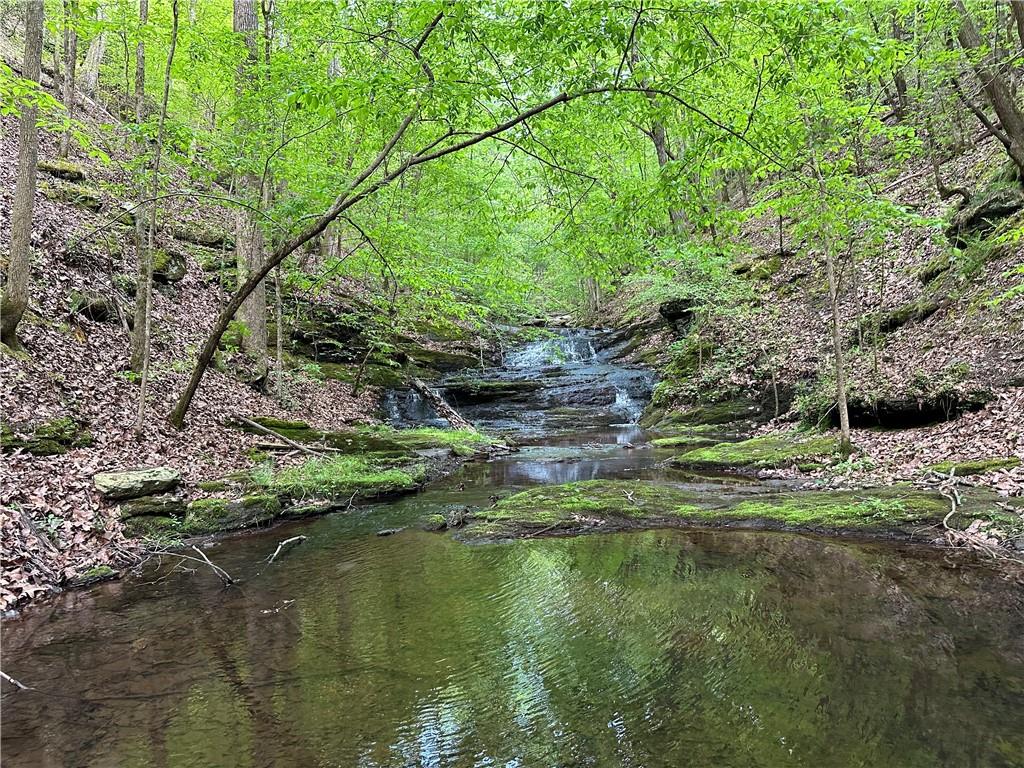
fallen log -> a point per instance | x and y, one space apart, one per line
443 408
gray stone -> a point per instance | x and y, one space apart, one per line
132 483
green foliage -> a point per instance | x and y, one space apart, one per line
340 476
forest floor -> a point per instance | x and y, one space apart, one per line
970 344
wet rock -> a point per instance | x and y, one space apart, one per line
132 483
61 169
168 266
389 531
92 305
68 192
434 523
93 575
471 390
163 505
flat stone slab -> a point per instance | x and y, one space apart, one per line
132 483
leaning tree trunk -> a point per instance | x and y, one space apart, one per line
14 297
70 65
995 87
144 258
443 408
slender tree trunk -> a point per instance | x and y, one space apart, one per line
249 242
845 442
1017 9
158 152
70 65
143 255
14 296
94 58
994 86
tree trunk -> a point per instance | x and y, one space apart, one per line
845 443
144 267
141 419
995 87
70 65
249 242
94 58
14 297
1017 9
444 410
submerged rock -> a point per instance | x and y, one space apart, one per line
132 483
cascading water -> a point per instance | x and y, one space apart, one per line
564 381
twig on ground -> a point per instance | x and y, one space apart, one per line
267 431
17 683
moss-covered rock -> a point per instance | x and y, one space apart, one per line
723 412
975 466
93 575
92 305
985 211
62 169
154 528
434 523
51 438
168 266
597 505
214 515
205 235
132 483
915 311
768 452
934 268
81 195
162 505
689 441
344 476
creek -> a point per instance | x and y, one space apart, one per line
646 648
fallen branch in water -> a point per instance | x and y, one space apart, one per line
15 682
282 545
221 573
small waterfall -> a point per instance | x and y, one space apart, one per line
627 406
572 346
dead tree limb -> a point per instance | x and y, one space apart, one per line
268 431
443 408
282 545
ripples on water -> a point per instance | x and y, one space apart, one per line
657 648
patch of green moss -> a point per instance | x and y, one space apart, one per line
342 475
767 452
153 528
213 486
62 169
212 515
975 466
434 523
68 192
463 442
51 438
687 440
934 268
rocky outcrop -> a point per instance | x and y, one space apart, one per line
61 169
51 438
201 234
93 305
132 483
984 213
679 314
81 195
164 505
169 266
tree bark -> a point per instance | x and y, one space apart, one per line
14 297
144 258
995 87
94 58
443 408
70 65
1017 9
146 353
249 241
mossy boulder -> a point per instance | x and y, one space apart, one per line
161 505
93 575
804 451
975 466
434 523
935 267
916 311
596 505
689 441
722 412
154 528
205 235
80 195
61 169
51 438
985 212
214 515
132 483
92 305
168 266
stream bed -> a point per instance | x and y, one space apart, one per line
652 648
